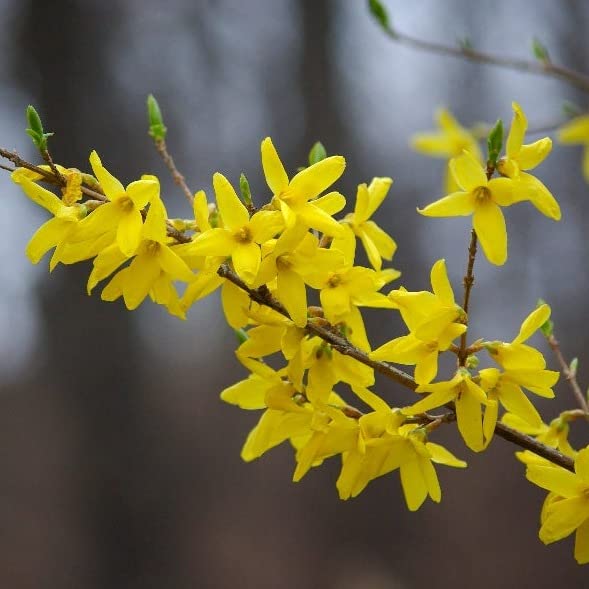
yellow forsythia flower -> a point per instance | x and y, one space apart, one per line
520 157
297 198
577 132
568 509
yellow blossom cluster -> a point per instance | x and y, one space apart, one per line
293 291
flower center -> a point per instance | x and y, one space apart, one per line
152 247
243 235
482 193
284 262
334 280
126 203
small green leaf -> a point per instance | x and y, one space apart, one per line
546 328
465 43
35 129
241 335
574 365
157 129
244 187
569 109
495 142
380 14
540 52
317 153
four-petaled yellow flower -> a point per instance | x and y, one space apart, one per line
122 211
241 236
378 244
430 318
297 198
481 198
577 132
520 157
567 510
467 397
450 141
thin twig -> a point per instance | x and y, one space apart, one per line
342 345
178 178
468 284
329 334
541 68
569 375
49 160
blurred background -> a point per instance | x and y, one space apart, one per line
119 466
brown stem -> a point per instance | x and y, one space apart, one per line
468 284
541 68
342 345
178 178
49 160
568 374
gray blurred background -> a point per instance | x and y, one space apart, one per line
119 466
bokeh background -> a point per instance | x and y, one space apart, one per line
119 466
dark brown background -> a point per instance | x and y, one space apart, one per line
119 466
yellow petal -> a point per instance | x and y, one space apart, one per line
129 231
519 124
490 420
46 238
539 196
214 242
312 181
468 172
371 251
201 211
101 220
532 323
41 196
431 478
563 517
154 227
233 211
141 274
469 417
142 192
440 455
318 219
533 154
582 465
265 224
414 487
235 303
575 131
502 191
246 260
331 203
385 244
582 543
440 282
173 264
489 224
426 368
335 301
293 295
555 479
457 204
110 185
276 176
514 400
377 190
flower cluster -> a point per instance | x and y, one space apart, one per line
293 291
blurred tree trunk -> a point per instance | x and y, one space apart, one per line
90 349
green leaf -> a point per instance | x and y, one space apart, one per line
569 109
244 187
574 365
157 129
241 335
380 14
317 153
35 129
495 142
546 328
540 52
